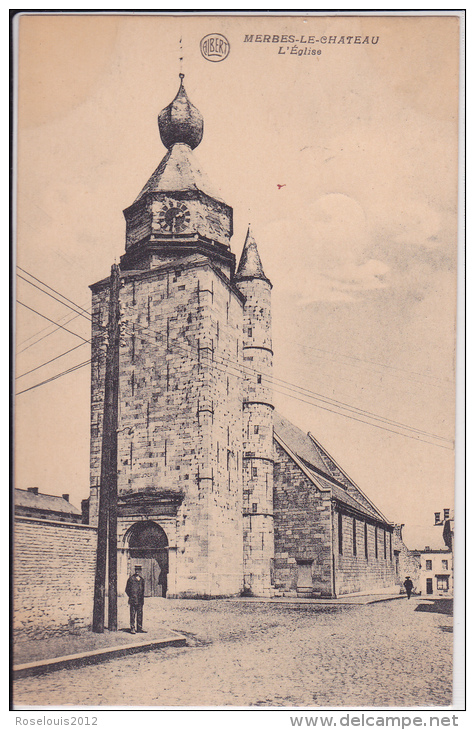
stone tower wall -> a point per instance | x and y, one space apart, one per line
257 437
180 430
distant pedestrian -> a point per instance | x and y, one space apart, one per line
135 590
408 585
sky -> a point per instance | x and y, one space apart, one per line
344 162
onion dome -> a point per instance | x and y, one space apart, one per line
180 121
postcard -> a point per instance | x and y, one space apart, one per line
237 238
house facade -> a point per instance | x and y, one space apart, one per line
436 575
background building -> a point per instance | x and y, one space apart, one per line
436 572
30 503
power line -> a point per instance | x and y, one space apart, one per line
381 418
286 385
50 361
373 362
318 396
52 321
53 297
240 369
225 369
55 377
47 334
346 415
50 287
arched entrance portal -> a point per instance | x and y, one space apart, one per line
148 547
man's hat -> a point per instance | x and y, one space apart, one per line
138 567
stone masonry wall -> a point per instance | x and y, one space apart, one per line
302 531
371 569
180 414
54 565
257 436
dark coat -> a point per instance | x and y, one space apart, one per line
135 590
408 584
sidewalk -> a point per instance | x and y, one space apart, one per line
352 600
57 652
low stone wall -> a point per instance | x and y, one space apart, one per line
53 579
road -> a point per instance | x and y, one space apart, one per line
267 654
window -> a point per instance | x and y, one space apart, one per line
259 378
446 514
445 565
254 471
428 564
340 533
249 331
254 506
354 536
442 582
437 516
256 429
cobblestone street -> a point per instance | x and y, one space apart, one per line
270 654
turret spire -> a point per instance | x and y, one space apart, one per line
250 265
180 121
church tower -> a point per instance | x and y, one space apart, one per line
257 421
180 461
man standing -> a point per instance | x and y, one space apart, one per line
135 590
408 585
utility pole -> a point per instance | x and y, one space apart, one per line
114 344
107 519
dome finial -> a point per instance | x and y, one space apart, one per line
180 121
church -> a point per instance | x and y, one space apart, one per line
219 495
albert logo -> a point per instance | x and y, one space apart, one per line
214 47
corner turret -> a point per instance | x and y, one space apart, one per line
250 264
258 450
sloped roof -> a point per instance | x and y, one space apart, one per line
178 171
45 502
297 441
328 474
250 264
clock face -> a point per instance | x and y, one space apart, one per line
174 217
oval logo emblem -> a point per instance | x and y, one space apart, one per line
214 47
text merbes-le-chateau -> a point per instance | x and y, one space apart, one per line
311 39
